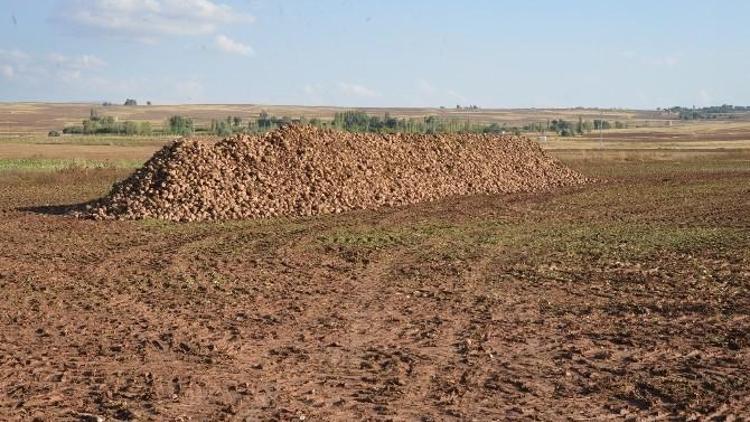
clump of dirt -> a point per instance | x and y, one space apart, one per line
301 171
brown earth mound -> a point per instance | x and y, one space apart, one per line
299 170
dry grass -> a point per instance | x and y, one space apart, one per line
17 151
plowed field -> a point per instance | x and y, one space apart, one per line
625 298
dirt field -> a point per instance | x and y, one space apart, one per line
629 298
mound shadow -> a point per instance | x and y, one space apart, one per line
63 209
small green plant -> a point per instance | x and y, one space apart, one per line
44 164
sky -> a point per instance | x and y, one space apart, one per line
356 53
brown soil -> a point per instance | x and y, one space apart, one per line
302 171
624 300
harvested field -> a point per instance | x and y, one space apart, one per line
625 299
303 171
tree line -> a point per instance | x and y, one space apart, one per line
98 125
706 113
351 120
564 127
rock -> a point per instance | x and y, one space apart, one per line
89 417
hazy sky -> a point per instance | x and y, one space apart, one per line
639 54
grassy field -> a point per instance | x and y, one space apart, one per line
46 164
127 155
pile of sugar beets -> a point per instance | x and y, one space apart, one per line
301 170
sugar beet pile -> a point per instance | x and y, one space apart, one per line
300 170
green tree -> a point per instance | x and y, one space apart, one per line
179 125
221 127
588 126
144 128
90 126
130 128
264 122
